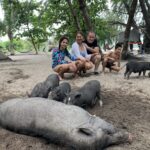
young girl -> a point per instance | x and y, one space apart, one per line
60 65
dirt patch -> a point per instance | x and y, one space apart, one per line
128 112
126 102
124 111
17 74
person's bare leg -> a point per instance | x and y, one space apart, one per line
73 68
80 66
61 69
104 63
88 65
56 69
96 62
61 73
115 68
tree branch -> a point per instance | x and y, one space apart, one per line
117 22
145 12
147 4
128 10
123 24
83 9
76 20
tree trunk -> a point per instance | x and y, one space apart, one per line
128 27
145 6
32 39
83 9
76 20
11 46
134 25
10 28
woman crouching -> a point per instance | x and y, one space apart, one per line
60 65
80 53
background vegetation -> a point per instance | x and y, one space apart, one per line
37 21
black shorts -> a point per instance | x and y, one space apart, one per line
110 64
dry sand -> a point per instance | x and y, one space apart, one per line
126 102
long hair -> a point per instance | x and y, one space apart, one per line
61 39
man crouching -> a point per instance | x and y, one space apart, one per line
93 48
112 58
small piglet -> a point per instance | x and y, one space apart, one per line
87 95
42 89
59 93
136 67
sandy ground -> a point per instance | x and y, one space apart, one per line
126 102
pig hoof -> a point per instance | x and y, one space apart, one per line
100 103
130 138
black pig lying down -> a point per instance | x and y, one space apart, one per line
136 67
59 93
59 123
42 89
87 95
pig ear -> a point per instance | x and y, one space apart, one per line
78 95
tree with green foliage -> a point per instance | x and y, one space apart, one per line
66 17
128 27
38 20
31 25
122 7
10 21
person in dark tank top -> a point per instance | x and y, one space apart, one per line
93 48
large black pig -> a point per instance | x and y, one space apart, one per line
42 89
136 67
87 95
59 123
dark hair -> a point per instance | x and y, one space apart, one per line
80 32
118 45
61 39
